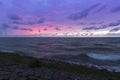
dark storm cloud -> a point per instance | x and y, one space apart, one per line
45 29
114 23
82 23
25 29
40 21
91 28
101 8
18 28
91 23
117 23
7 26
69 27
117 9
113 34
114 29
95 23
4 26
83 14
14 17
57 29
39 31
50 26
1 3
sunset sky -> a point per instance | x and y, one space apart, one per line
54 18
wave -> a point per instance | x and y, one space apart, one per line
103 67
98 48
110 68
7 51
112 57
109 62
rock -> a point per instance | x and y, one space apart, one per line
4 77
21 78
32 78
27 73
13 76
4 73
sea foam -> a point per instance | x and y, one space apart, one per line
112 57
7 51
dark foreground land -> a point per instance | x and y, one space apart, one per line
15 67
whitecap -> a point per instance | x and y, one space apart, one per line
112 57
6 51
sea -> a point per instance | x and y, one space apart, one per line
102 53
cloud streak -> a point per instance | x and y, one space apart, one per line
24 29
116 9
101 8
57 29
40 21
84 13
115 29
14 17
113 24
4 26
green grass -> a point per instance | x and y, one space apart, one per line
33 63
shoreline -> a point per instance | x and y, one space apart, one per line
58 66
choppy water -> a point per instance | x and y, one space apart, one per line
99 52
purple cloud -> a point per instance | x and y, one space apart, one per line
15 27
117 9
40 21
92 28
4 26
24 29
1 3
115 29
101 8
14 17
45 29
57 29
113 24
84 13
